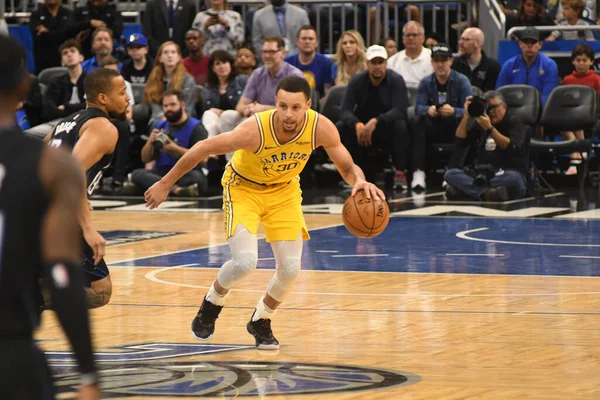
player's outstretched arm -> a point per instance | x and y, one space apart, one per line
62 179
245 136
329 137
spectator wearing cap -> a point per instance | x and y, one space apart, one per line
373 115
472 62
530 67
440 105
137 70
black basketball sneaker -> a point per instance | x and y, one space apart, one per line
261 330
203 325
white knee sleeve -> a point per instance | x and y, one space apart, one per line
288 256
244 256
281 284
237 269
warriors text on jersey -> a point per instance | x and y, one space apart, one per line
23 203
66 134
274 162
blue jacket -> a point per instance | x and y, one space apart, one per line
458 86
542 74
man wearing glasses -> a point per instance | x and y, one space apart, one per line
259 93
414 62
501 155
530 67
473 62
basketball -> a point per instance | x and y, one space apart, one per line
363 217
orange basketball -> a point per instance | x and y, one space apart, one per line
363 217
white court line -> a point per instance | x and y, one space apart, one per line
413 197
265 259
463 235
579 257
326 251
474 255
152 276
359 255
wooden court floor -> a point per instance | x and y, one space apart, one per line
449 336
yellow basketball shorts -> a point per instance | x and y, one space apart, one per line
278 207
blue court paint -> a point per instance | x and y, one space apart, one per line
421 245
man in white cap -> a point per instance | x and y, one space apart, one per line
373 116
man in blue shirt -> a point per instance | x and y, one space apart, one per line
102 46
315 66
530 67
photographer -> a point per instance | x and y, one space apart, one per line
498 141
171 140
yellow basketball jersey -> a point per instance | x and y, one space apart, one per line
274 162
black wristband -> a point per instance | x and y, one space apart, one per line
489 131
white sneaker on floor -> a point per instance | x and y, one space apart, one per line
418 180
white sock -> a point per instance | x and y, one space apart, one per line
214 297
262 311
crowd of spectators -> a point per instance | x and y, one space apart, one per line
219 69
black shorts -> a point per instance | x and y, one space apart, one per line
92 272
24 373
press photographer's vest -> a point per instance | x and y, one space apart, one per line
167 160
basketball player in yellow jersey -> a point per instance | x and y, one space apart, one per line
261 184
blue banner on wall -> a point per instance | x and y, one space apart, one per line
22 34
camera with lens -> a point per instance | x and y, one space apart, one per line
477 106
161 139
483 174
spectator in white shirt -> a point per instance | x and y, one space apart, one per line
414 62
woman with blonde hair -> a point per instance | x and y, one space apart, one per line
169 73
350 57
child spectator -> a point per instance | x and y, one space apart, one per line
571 11
582 58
